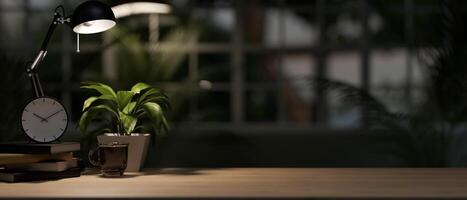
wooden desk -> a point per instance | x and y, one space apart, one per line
254 183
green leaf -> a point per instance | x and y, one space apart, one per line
128 122
139 86
129 108
154 98
123 98
91 114
144 94
84 121
89 101
126 107
100 87
155 114
165 125
163 101
149 92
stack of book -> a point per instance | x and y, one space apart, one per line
23 161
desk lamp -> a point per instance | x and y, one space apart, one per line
44 119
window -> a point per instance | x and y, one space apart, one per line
241 63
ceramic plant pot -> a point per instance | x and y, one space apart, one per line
138 145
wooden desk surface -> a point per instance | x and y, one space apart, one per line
254 183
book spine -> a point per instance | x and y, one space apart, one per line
6 159
37 176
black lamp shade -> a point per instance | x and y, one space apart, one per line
92 17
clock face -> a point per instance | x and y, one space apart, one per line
44 119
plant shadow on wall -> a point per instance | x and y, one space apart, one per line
433 134
158 65
166 62
136 62
13 81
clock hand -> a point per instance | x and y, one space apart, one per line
53 114
42 119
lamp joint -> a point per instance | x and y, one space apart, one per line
62 20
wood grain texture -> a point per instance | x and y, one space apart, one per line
319 183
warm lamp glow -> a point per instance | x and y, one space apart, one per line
135 8
94 26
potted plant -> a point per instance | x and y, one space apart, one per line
126 117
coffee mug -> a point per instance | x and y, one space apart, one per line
112 158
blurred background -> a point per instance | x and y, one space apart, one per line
298 83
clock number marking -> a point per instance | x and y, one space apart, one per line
26 130
26 110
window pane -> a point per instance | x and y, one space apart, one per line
298 92
342 112
214 67
297 66
343 28
261 67
256 25
216 24
345 67
290 28
388 76
387 27
156 67
388 67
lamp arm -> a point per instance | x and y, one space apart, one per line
50 31
31 70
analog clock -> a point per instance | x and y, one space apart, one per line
44 119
